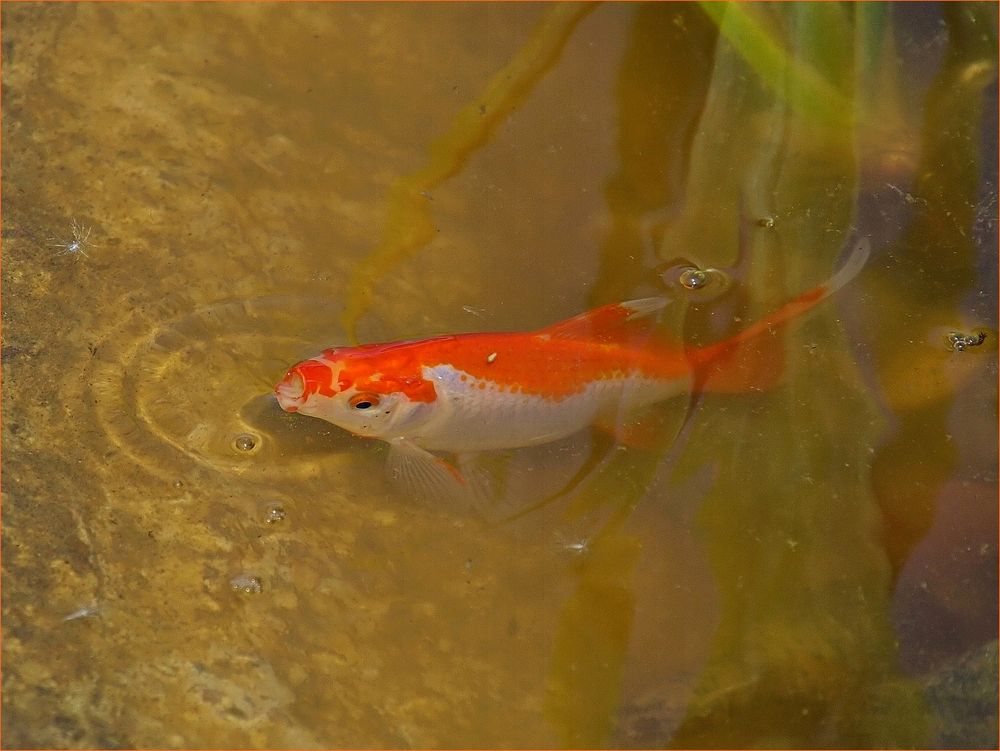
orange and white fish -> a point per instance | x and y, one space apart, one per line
486 391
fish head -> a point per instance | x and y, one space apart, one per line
355 389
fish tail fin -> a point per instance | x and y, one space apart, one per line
739 364
733 365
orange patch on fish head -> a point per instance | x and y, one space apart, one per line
303 380
370 390
382 369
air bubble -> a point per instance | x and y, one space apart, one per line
245 442
693 279
696 284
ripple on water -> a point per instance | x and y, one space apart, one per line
180 389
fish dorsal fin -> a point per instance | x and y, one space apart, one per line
609 322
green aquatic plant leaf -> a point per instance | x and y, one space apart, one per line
791 525
811 87
409 223
801 629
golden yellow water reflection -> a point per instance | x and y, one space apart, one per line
185 565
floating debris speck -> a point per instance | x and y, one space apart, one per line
578 547
78 243
87 611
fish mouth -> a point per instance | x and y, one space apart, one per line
290 391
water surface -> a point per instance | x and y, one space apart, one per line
812 564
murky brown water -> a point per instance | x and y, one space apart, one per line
186 566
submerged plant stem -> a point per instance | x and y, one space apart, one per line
409 224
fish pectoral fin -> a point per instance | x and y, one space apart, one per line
428 477
643 428
637 431
615 322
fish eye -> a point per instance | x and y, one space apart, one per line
363 401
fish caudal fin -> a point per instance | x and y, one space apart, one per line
851 268
753 360
739 366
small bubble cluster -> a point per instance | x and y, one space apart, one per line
274 513
246 584
960 342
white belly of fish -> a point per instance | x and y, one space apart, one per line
467 417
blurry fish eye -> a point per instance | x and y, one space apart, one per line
363 401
